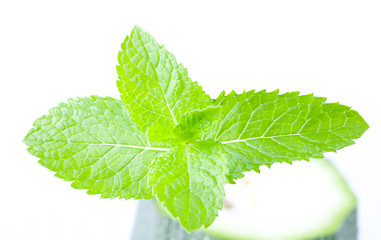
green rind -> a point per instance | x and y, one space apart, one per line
152 224
333 227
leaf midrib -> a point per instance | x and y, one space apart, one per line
285 135
111 144
162 91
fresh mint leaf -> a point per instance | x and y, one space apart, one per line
189 181
92 142
169 140
155 88
261 128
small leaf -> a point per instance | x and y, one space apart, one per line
197 124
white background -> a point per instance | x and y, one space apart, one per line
52 50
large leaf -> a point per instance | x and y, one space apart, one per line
92 142
189 181
261 128
155 88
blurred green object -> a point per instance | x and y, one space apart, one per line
309 200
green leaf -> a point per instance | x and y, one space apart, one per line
260 128
155 88
92 142
189 181
197 124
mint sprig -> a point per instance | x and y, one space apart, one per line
169 140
